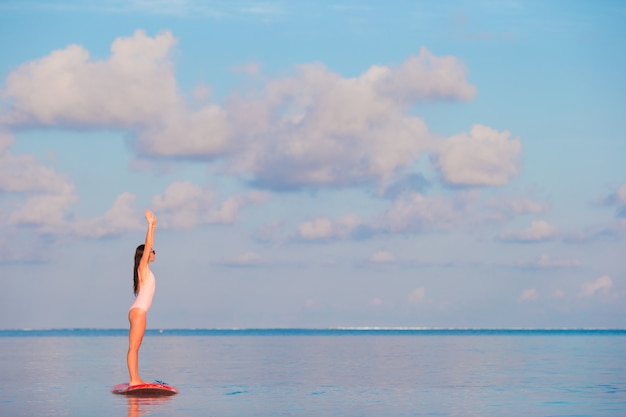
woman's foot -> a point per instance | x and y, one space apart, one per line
137 382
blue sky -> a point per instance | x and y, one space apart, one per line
314 164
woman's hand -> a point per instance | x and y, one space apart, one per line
151 218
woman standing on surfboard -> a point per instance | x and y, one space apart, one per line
143 285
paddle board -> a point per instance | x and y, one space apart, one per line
151 389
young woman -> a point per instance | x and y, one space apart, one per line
144 285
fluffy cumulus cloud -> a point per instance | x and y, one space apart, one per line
46 206
120 218
425 76
538 231
184 205
411 213
418 213
181 206
510 206
204 133
320 129
415 213
314 128
135 86
47 212
482 157
317 128
602 286
43 194
324 228
26 174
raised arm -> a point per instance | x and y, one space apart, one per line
149 244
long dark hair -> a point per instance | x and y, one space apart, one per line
138 255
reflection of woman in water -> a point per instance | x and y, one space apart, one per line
143 285
139 406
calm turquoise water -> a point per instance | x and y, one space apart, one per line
319 372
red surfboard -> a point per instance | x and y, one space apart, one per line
152 389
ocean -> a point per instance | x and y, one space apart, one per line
319 372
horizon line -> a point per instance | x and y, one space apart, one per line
333 328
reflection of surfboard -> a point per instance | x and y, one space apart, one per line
152 389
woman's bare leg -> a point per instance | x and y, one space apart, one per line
137 318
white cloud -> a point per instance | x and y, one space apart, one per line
205 133
184 205
482 157
319 228
502 209
319 129
324 228
602 285
135 86
119 219
25 174
538 231
181 206
414 212
329 130
228 211
45 211
426 76
180 195
515 205
44 195
529 294
313 129
201 93
49 214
